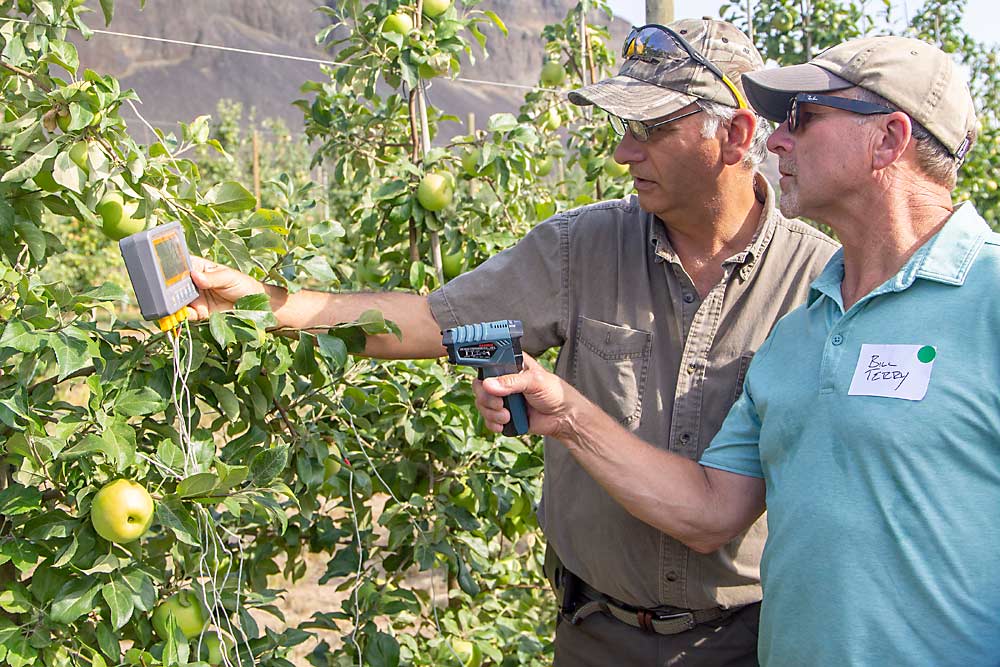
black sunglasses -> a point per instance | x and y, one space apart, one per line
654 40
796 117
639 129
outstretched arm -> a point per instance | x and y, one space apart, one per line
220 287
702 507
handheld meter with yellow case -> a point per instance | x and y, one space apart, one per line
159 267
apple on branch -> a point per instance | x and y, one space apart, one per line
122 511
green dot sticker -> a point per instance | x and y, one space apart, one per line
926 354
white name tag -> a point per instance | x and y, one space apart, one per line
893 371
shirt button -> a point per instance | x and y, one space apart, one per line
837 339
685 438
688 298
671 576
692 368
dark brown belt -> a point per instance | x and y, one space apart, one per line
571 589
659 621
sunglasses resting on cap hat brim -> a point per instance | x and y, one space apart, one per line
630 98
771 91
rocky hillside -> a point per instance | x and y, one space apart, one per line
178 82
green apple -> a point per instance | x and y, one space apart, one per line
78 154
398 23
214 650
453 264
116 217
470 163
435 8
553 73
63 119
122 511
187 610
550 119
615 169
435 191
467 652
782 22
544 166
331 466
464 498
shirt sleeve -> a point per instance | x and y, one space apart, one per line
529 282
736 447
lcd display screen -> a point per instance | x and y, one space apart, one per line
171 258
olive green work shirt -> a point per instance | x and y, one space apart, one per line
603 284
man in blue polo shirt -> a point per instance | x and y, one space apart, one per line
870 418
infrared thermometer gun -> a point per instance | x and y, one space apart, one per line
495 349
159 267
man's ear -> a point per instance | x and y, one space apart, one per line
894 135
736 142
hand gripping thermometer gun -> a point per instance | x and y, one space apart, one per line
495 349
159 267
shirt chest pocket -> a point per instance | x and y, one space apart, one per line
610 366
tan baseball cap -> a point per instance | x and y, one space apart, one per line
915 76
648 88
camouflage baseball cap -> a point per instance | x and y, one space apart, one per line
916 77
648 88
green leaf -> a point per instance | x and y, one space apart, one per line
176 648
32 236
179 521
74 600
332 349
20 653
391 190
220 329
66 173
22 337
108 9
143 591
496 20
137 402
502 122
108 641
268 464
198 484
382 650
465 580
32 165
233 477
119 599
19 499
229 405
70 346
253 302
230 197
21 553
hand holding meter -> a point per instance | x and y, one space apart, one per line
495 349
159 267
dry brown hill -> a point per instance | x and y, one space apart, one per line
178 82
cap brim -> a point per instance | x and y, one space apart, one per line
630 98
770 91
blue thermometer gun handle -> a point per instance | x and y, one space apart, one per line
514 403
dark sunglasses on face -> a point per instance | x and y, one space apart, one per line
657 41
797 117
640 130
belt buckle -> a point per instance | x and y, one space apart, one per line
646 619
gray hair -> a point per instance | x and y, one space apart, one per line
716 114
934 159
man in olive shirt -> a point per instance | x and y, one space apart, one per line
657 302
